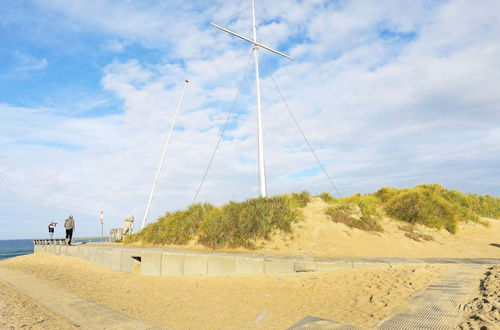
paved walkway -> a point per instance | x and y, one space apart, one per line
79 312
439 306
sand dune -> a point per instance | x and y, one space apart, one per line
318 236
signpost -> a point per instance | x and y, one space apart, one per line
101 220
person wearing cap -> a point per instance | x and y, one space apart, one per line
69 224
52 226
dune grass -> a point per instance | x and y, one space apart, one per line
435 206
326 197
431 205
414 234
232 225
356 211
241 224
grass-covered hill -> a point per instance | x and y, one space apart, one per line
241 224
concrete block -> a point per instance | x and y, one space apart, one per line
332 266
245 265
278 266
304 266
83 253
52 249
116 258
77 251
90 254
127 261
172 264
195 264
105 258
220 265
151 263
72 251
368 264
99 260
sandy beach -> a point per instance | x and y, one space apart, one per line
361 297
19 312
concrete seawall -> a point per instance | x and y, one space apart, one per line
168 262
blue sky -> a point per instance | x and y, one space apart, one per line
388 93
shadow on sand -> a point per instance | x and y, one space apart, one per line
495 244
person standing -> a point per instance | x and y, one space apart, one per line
69 224
52 226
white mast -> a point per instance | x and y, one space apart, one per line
163 156
255 50
262 170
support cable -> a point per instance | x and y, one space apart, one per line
270 28
303 135
223 130
232 16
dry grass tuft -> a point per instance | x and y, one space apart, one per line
356 212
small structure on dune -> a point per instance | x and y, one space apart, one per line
117 234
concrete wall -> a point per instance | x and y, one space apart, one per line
151 261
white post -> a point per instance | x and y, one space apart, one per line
262 170
101 220
163 156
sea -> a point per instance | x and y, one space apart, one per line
17 247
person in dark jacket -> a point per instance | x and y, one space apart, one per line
69 224
52 226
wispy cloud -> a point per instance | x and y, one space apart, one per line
388 93
26 63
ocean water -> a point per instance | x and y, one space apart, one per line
18 247
15 247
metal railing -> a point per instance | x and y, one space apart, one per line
50 241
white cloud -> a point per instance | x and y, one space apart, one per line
27 63
378 111
114 46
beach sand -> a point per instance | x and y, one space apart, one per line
361 297
483 312
18 312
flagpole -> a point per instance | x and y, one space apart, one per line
256 45
163 157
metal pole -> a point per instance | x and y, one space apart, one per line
163 156
262 173
101 220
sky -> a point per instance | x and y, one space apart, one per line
388 93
